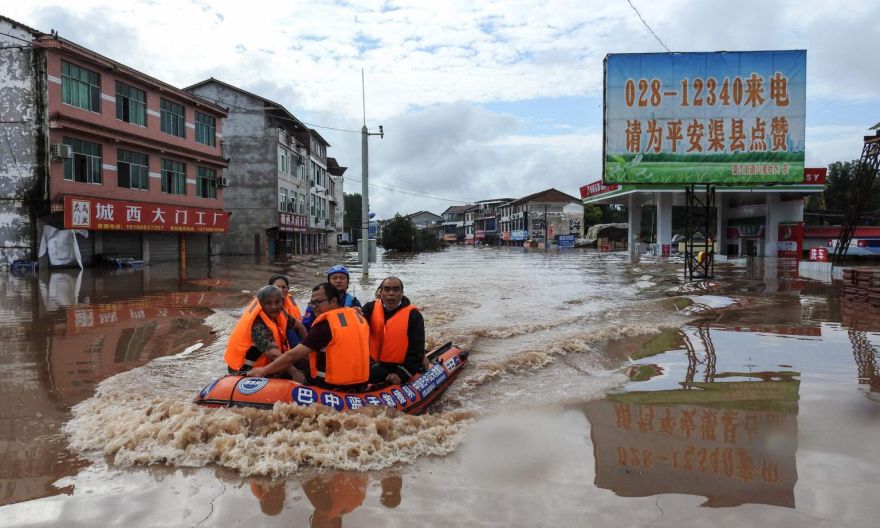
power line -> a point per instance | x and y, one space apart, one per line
414 193
647 26
274 107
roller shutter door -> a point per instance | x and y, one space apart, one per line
164 247
122 244
87 248
197 246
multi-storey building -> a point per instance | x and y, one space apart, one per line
281 193
133 161
541 217
453 224
486 220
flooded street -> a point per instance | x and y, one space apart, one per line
599 393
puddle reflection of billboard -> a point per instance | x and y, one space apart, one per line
733 443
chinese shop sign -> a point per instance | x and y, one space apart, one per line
116 215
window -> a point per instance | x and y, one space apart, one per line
282 199
282 161
206 182
85 165
131 104
206 129
132 170
173 177
80 87
173 119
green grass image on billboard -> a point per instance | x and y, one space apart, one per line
702 168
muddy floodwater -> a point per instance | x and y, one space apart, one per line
599 392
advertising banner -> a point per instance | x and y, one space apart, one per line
790 241
723 117
117 215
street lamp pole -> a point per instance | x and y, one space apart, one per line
365 176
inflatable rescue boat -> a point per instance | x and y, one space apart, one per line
412 397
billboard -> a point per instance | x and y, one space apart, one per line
723 117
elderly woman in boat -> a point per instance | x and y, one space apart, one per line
260 336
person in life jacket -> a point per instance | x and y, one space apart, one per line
260 335
339 278
397 334
296 332
337 346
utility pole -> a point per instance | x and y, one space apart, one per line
365 176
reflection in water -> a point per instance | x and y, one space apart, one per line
733 442
62 333
860 318
334 495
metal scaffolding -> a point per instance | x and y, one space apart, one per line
866 173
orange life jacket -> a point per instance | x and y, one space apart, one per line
347 356
291 308
241 341
389 340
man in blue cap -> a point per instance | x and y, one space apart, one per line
337 276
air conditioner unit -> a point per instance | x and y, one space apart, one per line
222 182
61 151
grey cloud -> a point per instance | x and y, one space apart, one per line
115 40
456 151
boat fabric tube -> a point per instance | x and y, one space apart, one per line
413 397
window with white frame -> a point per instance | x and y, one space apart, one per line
173 118
85 164
206 182
173 177
80 87
132 170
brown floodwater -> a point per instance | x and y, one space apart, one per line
600 392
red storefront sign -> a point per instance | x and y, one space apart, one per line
480 234
592 189
791 240
292 222
815 176
819 254
116 215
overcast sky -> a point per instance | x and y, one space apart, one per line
478 99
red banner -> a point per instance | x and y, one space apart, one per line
818 254
292 222
116 215
815 176
597 187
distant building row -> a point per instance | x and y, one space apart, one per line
149 171
549 215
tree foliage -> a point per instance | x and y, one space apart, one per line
400 234
351 216
834 201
